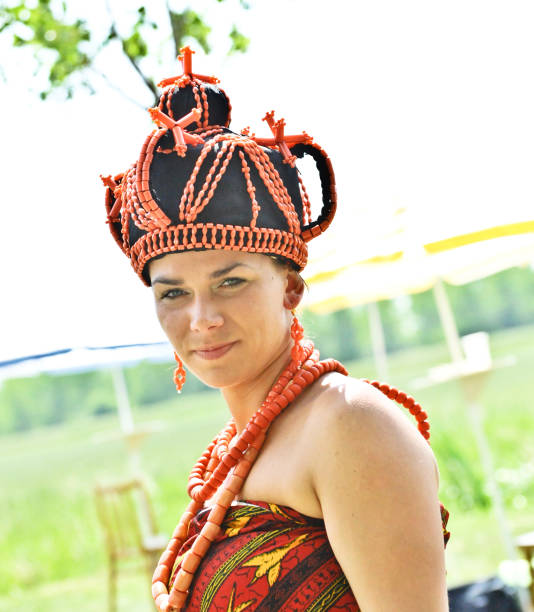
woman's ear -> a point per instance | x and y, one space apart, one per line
294 290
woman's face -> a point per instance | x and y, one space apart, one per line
234 300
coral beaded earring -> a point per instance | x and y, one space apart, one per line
179 374
297 333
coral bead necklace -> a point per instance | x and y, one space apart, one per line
221 470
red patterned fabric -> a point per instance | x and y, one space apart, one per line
270 557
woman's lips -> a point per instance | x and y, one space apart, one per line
215 353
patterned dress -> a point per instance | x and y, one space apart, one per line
270 557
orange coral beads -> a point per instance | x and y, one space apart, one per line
221 471
223 467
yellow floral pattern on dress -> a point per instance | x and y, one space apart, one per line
290 549
269 563
240 607
277 510
175 567
235 525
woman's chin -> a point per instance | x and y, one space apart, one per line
213 379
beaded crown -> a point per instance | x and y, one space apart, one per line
197 185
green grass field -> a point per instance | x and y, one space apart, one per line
52 550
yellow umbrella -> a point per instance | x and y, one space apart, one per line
455 260
351 274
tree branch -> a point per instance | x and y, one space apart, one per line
146 80
117 89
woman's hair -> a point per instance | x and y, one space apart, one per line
287 263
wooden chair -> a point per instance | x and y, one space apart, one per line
525 543
129 524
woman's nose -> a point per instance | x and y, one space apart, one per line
205 315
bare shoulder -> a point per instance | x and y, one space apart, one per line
375 480
364 428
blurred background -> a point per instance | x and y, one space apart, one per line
424 281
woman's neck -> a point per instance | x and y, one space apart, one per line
245 398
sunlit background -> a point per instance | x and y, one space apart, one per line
426 110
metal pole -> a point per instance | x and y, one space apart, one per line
378 341
447 320
133 438
123 402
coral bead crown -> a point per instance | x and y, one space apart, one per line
198 185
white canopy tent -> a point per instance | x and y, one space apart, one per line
86 359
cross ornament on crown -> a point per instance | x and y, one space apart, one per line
181 137
186 60
280 140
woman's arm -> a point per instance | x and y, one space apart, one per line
377 482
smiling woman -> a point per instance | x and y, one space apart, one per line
318 494
215 304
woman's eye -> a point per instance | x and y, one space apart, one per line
172 293
227 282
232 282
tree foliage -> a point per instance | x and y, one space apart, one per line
67 47
189 23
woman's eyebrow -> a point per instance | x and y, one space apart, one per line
164 280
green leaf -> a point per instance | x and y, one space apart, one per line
135 46
18 41
141 17
197 29
240 42
189 24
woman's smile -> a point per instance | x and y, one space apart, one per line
214 353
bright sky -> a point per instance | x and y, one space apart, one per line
420 104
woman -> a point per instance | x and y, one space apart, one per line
330 504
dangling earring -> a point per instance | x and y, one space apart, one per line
179 374
297 333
